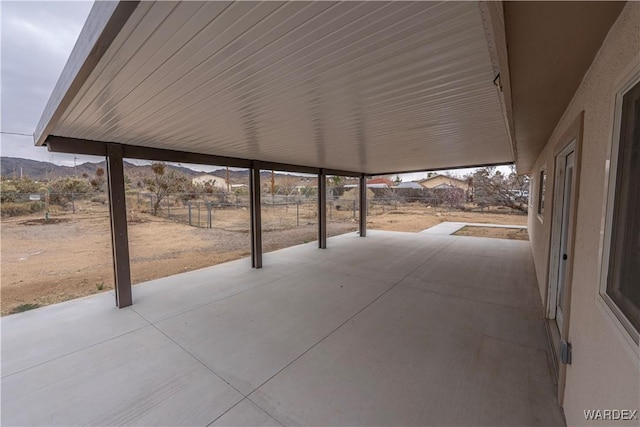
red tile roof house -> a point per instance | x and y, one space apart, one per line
380 183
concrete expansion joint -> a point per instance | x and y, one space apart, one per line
78 350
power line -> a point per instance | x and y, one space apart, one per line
17 133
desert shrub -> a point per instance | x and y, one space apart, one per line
99 199
9 209
12 190
63 188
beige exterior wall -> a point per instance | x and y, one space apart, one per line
215 181
439 180
605 373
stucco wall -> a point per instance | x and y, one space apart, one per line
440 179
605 373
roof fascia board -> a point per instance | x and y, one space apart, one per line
288 168
484 165
337 172
493 20
103 24
59 144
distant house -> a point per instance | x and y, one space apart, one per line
442 181
379 183
214 181
412 185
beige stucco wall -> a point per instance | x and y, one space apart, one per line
605 373
441 179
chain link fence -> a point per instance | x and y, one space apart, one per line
229 210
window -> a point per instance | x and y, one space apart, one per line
542 183
623 278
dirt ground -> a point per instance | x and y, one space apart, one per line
69 257
494 232
416 218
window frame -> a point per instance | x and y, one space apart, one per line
542 192
610 308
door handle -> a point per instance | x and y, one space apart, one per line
564 257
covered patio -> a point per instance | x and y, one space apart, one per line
394 329
391 329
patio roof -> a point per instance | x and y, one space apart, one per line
365 87
449 333
356 86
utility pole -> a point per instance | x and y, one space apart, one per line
75 166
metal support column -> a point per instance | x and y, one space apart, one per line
322 210
363 205
118 215
256 221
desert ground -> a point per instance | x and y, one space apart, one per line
494 232
69 256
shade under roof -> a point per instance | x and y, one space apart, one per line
368 87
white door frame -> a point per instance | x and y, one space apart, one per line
561 221
556 228
572 135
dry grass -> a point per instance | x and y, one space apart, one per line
494 232
418 218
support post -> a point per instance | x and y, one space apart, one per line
322 210
363 205
256 221
118 216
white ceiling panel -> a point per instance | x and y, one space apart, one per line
361 86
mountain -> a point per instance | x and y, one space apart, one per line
13 167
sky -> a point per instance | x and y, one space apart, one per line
36 40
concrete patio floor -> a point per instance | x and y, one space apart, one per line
391 329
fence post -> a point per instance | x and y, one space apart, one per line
189 207
354 208
383 206
168 209
73 203
298 214
198 214
151 204
138 194
330 212
209 209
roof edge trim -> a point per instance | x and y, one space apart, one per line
61 144
492 13
103 24
481 165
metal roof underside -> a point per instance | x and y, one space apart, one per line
368 87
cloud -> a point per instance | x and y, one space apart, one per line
36 40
